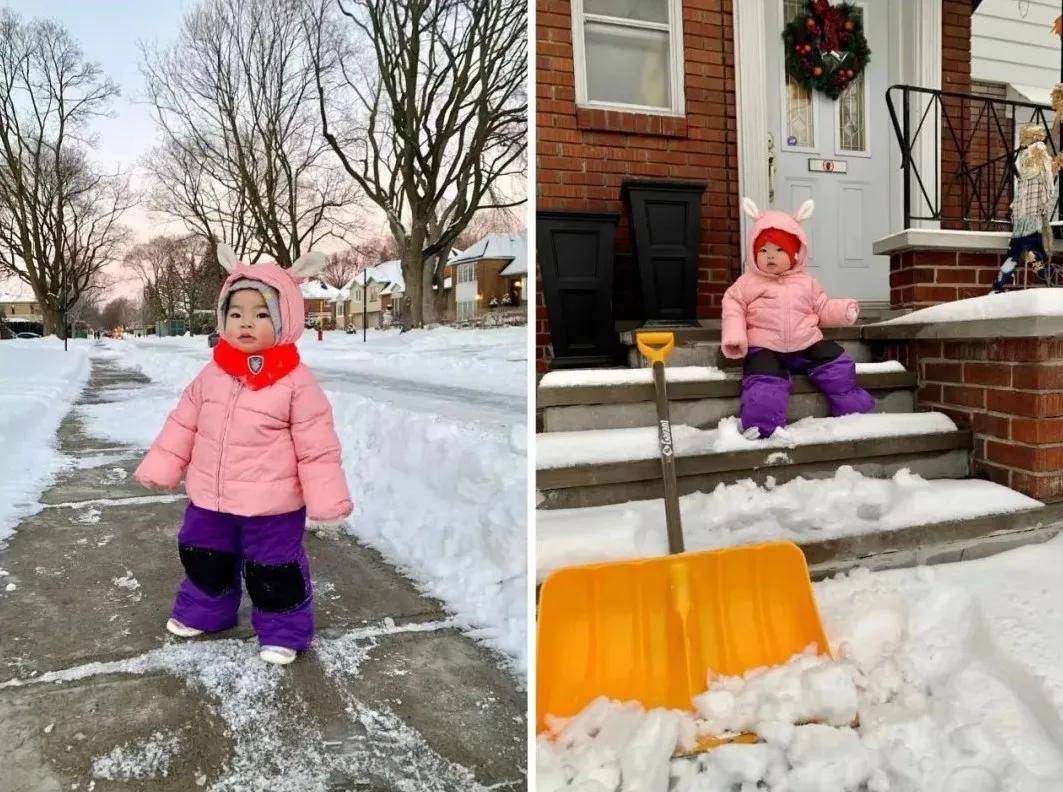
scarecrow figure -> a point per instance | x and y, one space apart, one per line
1035 199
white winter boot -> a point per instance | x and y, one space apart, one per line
182 630
277 655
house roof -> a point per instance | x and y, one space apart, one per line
15 290
511 247
316 290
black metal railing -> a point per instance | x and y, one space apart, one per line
958 154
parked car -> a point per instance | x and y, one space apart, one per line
26 335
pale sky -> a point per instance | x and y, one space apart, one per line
109 32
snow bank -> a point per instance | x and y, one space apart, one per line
1010 305
801 510
576 378
38 384
919 661
599 446
442 499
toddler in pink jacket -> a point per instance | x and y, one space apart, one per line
771 317
254 438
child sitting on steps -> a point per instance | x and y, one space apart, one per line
771 317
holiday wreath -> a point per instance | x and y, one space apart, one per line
825 47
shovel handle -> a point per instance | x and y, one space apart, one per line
656 347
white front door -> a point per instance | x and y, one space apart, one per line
852 208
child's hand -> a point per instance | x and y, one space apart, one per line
734 350
852 312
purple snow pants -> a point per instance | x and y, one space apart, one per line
766 383
215 548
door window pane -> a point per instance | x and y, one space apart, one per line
851 122
800 118
627 65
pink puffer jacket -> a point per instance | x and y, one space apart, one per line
254 452
779 312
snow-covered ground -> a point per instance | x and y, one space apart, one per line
1010 305
802 510
439 483
951 675
38 383
599 446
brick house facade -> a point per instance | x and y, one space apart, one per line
583 155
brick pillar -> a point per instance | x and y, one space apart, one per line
921 278
1009 391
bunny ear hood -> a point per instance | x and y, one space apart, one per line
292 311
773 218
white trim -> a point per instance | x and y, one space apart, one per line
939 239
674 28
927 62
751 106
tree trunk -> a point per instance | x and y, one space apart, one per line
52 321
435 300
412 274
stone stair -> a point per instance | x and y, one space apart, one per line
578 410
700 346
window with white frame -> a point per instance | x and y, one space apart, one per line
466 310
628 54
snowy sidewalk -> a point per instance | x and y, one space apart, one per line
94 696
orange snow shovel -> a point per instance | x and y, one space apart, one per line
649 629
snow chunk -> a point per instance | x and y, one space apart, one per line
1010 305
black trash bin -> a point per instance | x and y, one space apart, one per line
665 234
575 252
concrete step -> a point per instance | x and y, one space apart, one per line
700 403
700 346
932 455
934 543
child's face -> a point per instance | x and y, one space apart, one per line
247 323
772 259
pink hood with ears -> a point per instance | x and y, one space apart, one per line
255 452
773 218
779 312
293 312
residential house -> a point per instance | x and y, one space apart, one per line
911 174
360 304
19 310
491 275
319 303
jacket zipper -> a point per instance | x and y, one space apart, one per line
225 434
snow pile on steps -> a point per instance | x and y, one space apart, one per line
443 500
578 378
942 706
801 511
600 446
1025 303
38 384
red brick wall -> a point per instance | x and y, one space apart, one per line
921 278
955 76
582 156
1009 392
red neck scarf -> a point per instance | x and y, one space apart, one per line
256 369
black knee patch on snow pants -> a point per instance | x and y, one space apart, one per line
275 587
213 572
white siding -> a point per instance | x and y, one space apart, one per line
1005 47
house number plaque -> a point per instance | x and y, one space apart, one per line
827 166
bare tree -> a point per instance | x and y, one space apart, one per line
119 312
243 159
439 109
153 262
59 214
